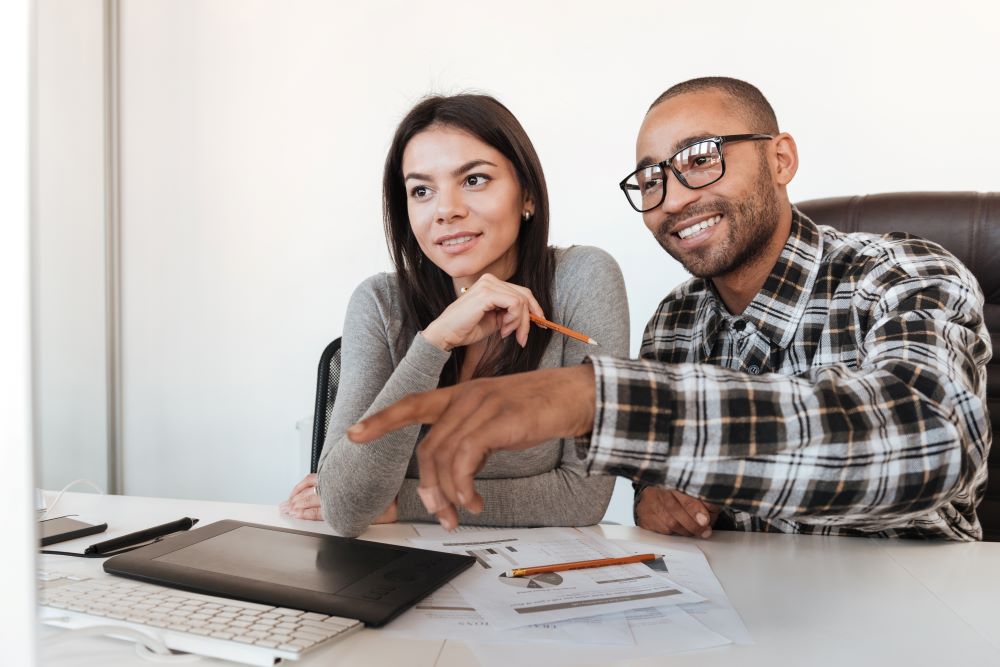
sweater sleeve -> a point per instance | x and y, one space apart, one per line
589 298
357 483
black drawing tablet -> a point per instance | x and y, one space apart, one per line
369 581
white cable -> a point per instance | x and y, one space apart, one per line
147 647
66 488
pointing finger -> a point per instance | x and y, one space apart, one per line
423 408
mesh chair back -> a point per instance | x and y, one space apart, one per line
327 379
967 224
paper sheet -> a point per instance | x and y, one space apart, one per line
687 565
445 614
656 632
508 602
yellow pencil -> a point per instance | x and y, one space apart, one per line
579 565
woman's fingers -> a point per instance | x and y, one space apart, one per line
518 303
303 495
309 481
303 505
304 500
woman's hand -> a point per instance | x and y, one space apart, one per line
303 502
488 306
390 515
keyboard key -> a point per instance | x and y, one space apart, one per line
289 612
292 646
313 616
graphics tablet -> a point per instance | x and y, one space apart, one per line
369 581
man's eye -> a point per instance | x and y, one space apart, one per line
703 162
651 184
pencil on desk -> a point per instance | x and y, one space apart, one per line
579 565
566 331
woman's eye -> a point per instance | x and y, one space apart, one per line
476 180
419 192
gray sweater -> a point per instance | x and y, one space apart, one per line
381 363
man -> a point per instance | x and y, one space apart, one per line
803 380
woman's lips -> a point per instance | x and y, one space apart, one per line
459 243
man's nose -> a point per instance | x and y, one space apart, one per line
677 196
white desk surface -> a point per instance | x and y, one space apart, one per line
805 600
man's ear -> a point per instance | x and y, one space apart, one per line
786 155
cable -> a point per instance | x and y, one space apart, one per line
45 514
147 647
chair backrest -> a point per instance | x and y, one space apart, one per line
967 224
327 379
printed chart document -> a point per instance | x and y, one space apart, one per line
510 602
446 614
687 565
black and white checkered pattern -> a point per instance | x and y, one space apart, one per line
848 398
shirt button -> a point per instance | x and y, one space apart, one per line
739 325
754 370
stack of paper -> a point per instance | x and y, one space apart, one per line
668 605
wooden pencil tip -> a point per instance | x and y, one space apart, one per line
591 341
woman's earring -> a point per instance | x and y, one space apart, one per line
526 216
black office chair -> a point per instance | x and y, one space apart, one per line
968 225
327 379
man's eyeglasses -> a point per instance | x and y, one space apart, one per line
695 166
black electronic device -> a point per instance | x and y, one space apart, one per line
63 528
369 581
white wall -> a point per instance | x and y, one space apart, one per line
17 558
68 259
253 135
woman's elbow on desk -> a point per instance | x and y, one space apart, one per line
345 526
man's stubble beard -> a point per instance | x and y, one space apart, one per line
751 223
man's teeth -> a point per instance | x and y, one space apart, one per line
694 229
456 241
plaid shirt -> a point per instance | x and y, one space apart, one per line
848 398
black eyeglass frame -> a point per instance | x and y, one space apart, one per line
664 164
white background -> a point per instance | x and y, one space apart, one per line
253 135
17 580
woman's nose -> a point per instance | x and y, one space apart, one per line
450 205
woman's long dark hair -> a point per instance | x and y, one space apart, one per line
425 289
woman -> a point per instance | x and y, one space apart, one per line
466 220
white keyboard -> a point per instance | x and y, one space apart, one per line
254 634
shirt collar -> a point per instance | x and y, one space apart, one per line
778 308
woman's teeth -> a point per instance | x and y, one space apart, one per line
456 241
694 229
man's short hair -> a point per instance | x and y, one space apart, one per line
750 102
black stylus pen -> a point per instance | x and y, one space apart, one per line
140 536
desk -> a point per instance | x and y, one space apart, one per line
806 600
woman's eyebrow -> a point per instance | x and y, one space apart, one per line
471 164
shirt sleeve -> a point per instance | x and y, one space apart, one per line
358 482
872 446
590 298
